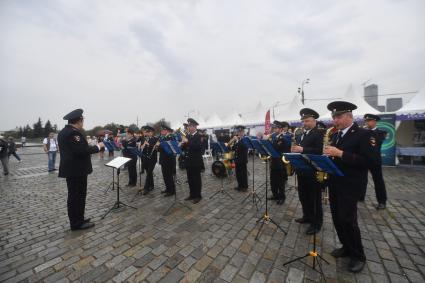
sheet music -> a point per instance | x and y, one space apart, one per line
118 162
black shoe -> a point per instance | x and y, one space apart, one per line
169 194
196 200
164 192
237 188
145 192
86 220
272 198
189 198
312 230
356 265
381 206
302 220
85 225
336 253
280 201
243 189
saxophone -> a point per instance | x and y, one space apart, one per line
322 176
289 169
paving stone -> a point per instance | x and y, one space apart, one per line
212 243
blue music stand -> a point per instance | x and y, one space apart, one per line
266 148
323 163
171 147
298 161
313 163
249 143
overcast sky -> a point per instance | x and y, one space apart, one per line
122 59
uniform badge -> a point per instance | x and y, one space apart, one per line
77 138
372 141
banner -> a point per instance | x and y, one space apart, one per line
267 124
388 149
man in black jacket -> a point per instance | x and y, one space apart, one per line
353 150
193 144
278 174
129 146
376 171
167 162
75 165
4 146
309 189
150 157
241 160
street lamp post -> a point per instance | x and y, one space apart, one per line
301 90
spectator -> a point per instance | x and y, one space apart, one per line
12 149
23 141
3 155
51 147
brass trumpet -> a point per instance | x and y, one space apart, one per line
232 141
183 134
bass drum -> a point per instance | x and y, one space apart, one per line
219 169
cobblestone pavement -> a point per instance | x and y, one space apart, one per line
214 242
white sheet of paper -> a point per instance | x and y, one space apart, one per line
118 162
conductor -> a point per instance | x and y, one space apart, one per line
75 165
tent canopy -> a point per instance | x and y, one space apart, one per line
416 104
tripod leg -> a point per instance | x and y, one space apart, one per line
321 271
217 192
259 230
278 226
124 204
322 258
227 193
115 206
296 259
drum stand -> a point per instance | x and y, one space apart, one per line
221 190
255 198
117 203
176 202
314 254
265 218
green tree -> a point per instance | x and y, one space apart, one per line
48 128
38 129
157 125
27 131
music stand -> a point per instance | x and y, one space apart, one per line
265 148
255 197
172 148
116 163
310 163
135 151
222 148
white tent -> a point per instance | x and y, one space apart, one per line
354 97
257 116
416 105
213 121
233 119
292 110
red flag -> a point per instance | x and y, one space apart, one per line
267 124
